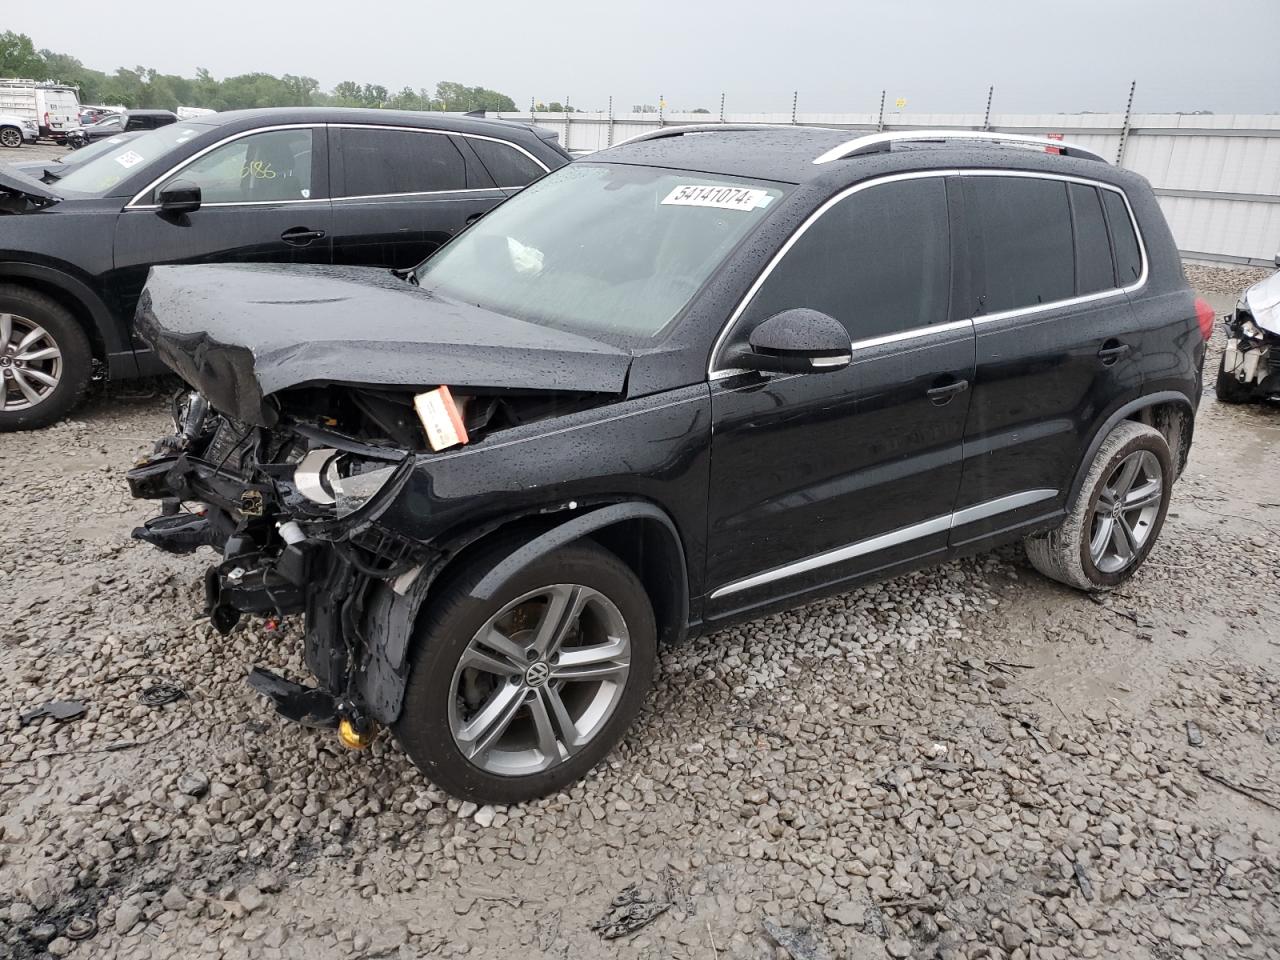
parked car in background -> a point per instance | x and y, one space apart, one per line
92 114
50 171
15 131
54 107
1250 367
127 122
305 185
702 375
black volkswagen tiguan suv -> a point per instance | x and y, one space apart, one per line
298 185
692 378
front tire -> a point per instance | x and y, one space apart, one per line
1114 520
1228 388
520 695
45 360
10 137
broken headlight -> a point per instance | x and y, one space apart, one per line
343 480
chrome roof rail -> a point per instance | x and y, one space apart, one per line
881 142
678 130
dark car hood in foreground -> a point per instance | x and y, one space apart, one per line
241 333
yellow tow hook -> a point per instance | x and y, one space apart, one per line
356 733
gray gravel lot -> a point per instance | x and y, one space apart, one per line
966 762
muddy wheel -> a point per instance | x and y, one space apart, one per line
1228 388
45 360
1116 517
521 694
10 137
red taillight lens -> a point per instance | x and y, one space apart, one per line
46 118
1204 314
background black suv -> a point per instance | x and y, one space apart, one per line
312 185
697 377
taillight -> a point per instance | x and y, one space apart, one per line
46 118
1204 314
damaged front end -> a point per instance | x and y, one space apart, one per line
293 510
1251 359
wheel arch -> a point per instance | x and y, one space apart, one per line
640 533
1169 411
74 295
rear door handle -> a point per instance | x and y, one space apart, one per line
301 236
942 395
1112 351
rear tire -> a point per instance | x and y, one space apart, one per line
10 137
54 368
499 724
1228 388
1099 546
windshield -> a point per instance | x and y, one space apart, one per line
96 149
600 249
108 170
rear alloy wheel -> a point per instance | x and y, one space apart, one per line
10 137
45 360
519 695
1114 520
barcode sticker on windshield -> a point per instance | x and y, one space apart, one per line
128 159
725 198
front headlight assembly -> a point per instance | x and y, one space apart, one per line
343 480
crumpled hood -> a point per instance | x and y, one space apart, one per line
1263 301
12 181
239 333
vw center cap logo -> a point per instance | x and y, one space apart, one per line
537 674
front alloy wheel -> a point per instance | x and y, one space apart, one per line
30 363
539 680
10 137
519 693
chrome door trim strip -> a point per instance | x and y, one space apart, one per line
989 508
717 374
418 193
939 524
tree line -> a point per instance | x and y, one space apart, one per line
144 88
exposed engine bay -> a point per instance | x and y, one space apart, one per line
294 511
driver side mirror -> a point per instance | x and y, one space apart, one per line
178 196
1277 260
796 341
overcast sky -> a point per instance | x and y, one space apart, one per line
1042 55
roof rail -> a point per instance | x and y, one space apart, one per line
881 142
678 130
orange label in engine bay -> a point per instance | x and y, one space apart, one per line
441 418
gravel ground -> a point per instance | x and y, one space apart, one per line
965 762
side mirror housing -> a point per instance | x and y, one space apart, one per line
1277 259
180 196
797 341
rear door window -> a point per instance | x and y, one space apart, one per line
379 162
1022 238
1094 270
879 261
507 165
1128 256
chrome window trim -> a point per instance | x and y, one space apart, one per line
178 167
860 548
717 374
417 193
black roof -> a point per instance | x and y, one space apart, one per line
786 154
457 122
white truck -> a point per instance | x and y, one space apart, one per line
55 107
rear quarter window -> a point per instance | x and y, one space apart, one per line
507 165
1128 256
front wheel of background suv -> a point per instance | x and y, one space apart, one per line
520 695
45 360
1114 520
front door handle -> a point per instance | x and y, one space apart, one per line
941 395
301 236
1112 351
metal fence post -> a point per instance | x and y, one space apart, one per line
568 144
795 98
880 121
986 119
661 122
610 142
722 108
1124 129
